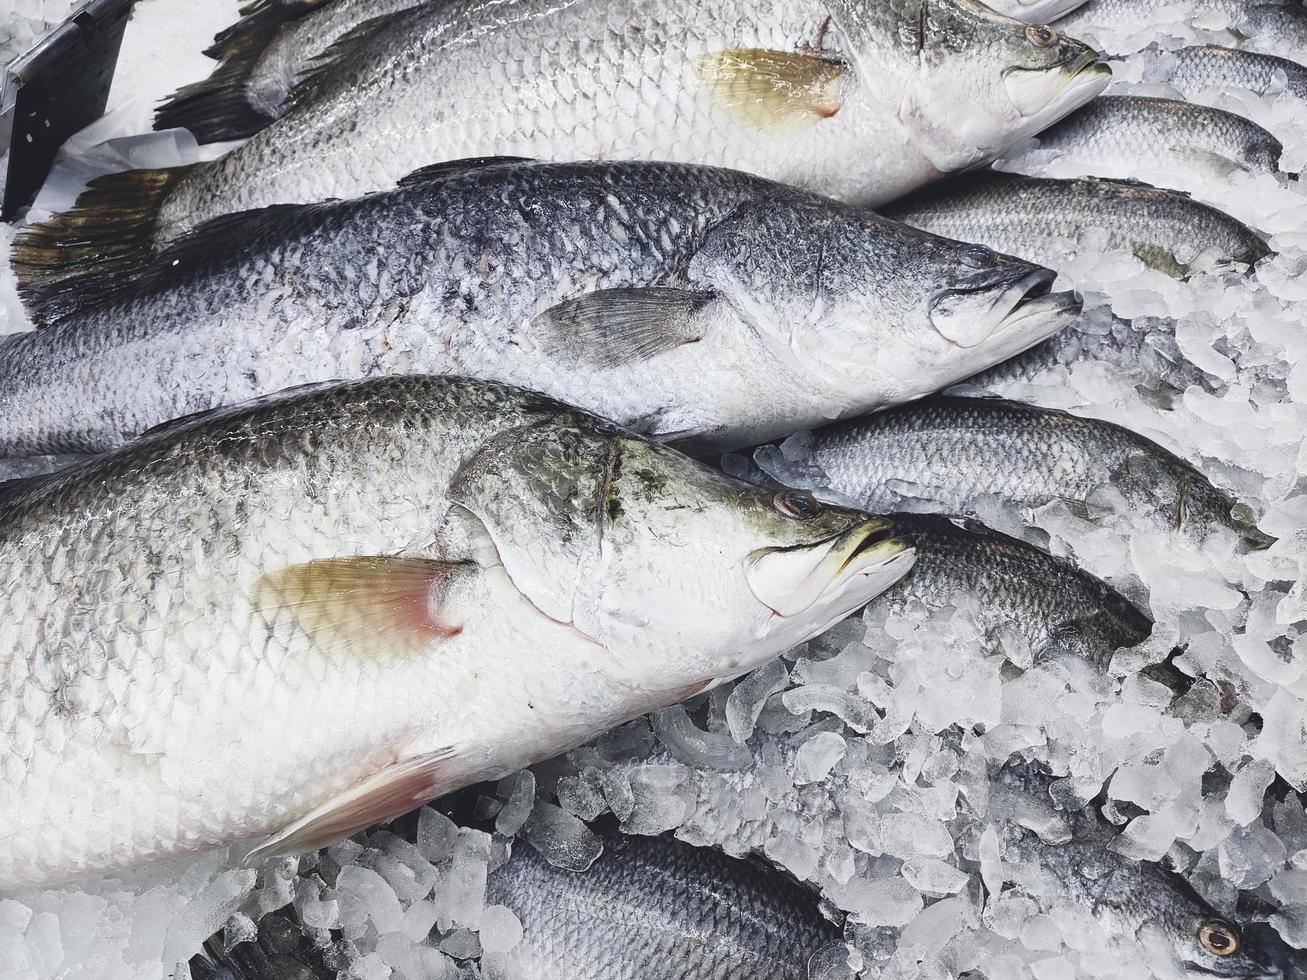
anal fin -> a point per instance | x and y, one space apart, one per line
388 793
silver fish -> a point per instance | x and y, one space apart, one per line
860 99
1266 25
1202 68
368 595
692 303
263 57
949 453
1118 135
1035 11
1042 219
654 908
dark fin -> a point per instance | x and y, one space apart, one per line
218 108
224 236
452 168
386 794
14 491
66 264
261 17
341 50
612 327
369 606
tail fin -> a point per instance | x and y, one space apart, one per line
70 261
219 107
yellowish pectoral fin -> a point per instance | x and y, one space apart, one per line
1161 259
774 91
386 794
370 605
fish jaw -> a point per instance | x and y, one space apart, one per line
1043 97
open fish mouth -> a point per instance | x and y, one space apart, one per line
842 572
1044 95
968 318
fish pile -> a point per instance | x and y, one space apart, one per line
800 489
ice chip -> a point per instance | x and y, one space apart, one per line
562 839
817 756
500 929
519 791
748 697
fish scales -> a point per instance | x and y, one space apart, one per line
320 583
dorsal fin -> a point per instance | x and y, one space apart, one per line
193 419
65 263
452 168
260 17
341 50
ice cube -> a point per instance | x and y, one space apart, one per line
934 877
817 757
748 697
500 929
519 790
562 839
698 748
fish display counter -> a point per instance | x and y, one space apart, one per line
660 490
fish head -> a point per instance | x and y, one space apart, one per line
1205 944
1179 497
983 82
683 574
869 311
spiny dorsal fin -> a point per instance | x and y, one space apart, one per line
773 91
612 327
261 18
453 168
65 264
388 793
341 50
370 606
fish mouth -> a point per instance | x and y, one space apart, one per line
839 574
1044 95
969 317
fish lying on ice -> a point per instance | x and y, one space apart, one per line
1200 68
953 452
1035 11
1042 219
649 908
1124 135
1279 25
758 309
262 58
287 621
654 908
859 99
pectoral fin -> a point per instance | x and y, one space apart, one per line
612 327
373 605
773 91
386 794
1161 259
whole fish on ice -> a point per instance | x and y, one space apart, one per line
1201 71
690 302
1043 219
951 453
860 99
287 621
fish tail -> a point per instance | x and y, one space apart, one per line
80 256
221 107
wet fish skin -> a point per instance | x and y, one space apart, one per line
382 554
1036 11
790 308
1046 601
655 908
951 452
1265 24
1195 69
1117 135
1035 217
573 80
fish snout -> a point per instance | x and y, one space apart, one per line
967 317
1045 95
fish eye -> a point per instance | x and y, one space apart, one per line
797 505
1218 939
1041 35
976 256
